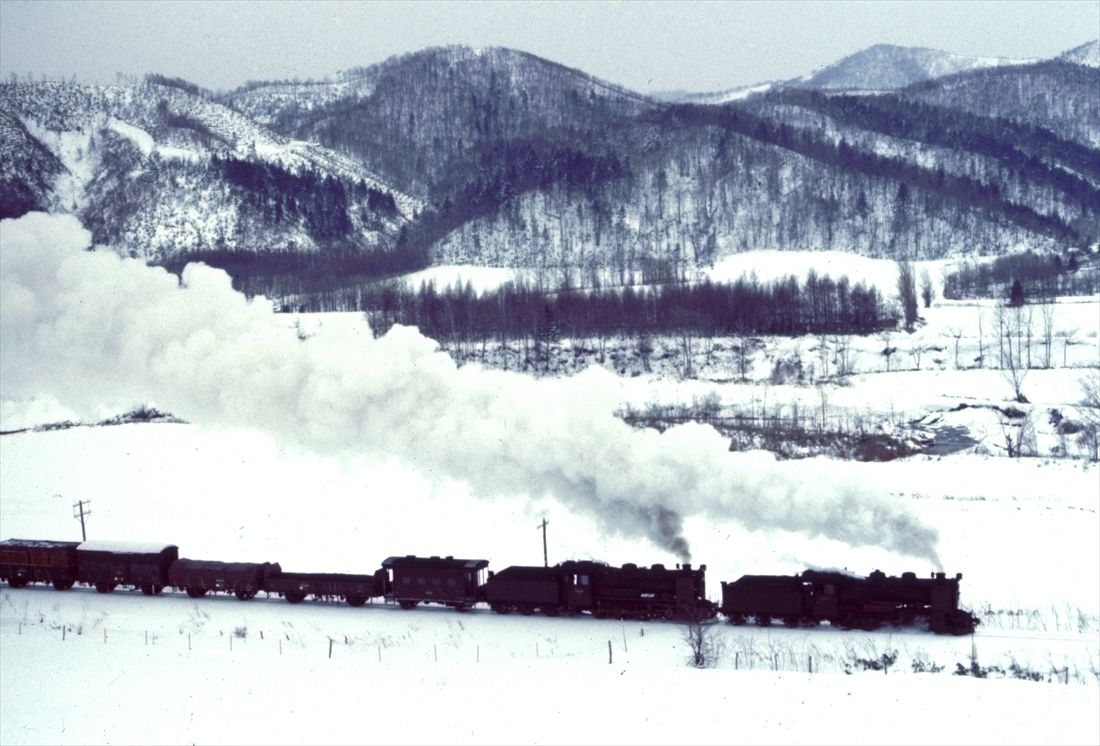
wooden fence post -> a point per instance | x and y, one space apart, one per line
609 651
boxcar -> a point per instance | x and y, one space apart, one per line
355 589
25 561
197 577
441 580
108 564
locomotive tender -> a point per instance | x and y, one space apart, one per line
571 588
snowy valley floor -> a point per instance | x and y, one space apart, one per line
125 668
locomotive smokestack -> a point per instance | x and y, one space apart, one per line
197 348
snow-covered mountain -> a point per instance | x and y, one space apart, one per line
888 67
159 170
415 117
1087 54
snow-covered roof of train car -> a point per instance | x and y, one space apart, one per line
124 547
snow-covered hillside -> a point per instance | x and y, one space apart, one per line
1087 54
138 164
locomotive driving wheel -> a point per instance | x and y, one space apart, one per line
62 585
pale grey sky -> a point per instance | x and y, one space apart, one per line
645 46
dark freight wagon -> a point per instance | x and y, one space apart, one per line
109 564
25 561
439 580
355 589
526 590
766 597
197 577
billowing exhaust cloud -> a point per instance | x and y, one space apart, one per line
92 329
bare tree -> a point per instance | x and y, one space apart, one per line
1067 336
927 290
1019 436
887 350
1090 413
916 351
980 359
907 292
742 355
843 347
956 334
1011 361
706 648
823 354
1046 310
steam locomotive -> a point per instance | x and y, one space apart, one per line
568 588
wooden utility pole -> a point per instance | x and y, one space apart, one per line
79 512
543 525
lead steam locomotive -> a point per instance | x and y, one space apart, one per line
568 588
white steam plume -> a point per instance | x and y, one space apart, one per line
91 329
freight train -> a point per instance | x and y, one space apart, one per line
568 588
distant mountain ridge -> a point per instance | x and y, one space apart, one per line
881 67
498 157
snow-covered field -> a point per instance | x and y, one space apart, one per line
336 451
765 265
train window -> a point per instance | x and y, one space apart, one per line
450 582
584 580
